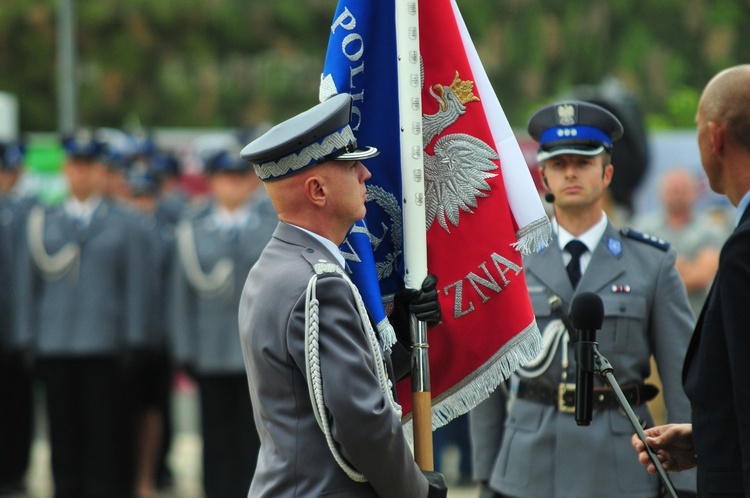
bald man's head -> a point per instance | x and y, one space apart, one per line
726 99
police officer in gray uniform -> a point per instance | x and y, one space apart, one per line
538 451
152 376
82 294
217 242
16 414
325 410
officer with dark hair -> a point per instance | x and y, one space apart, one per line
538 450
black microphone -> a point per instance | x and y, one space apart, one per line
549 197
587 314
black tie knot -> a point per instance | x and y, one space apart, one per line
575 248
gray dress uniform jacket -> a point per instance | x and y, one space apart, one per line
206 283
92 303
540 452
13 211
294 459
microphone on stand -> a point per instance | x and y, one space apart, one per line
587 315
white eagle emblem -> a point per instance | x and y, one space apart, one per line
457 173
566 115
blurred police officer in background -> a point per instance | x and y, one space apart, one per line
538 451
120 150
16 401
82 298
217 242
172 196
152 379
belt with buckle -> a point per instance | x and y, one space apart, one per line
563 396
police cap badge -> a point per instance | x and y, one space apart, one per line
313 137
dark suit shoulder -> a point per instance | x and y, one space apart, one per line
645 238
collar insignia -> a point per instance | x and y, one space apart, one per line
615 246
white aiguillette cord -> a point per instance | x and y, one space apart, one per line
312 361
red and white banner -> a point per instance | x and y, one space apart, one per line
482 208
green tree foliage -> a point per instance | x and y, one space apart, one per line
231 63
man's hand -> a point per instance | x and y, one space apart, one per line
672 444
438 488
422 302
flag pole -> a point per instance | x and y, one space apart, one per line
413 206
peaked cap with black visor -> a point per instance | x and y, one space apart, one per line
313 137
574 127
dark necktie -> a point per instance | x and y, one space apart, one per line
575 248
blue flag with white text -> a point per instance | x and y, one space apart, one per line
361 60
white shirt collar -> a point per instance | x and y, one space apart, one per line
227 219
590 237
82 210
333 248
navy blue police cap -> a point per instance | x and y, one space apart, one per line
222 161
116 160
166 164
143 182
573 127
84 145
313 137
11 155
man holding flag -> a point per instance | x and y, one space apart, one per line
479 212
319 378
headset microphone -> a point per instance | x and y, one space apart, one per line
549 196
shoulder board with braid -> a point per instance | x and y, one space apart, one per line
645 238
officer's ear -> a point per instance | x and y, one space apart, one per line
608 173
315 190
716 133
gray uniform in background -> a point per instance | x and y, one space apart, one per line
82 298
212 261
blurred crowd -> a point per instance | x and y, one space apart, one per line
106 294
